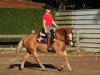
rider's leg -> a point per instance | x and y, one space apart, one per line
52 35
49 42
49 28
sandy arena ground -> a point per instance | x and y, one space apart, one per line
81 65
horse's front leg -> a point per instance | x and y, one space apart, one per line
63 54
67 61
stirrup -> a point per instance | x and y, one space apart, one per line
49 49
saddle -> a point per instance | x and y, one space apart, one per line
42 38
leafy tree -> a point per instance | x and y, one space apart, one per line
71 4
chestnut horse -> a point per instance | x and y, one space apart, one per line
32 45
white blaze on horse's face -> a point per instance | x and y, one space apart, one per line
70 38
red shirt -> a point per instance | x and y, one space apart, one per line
48 18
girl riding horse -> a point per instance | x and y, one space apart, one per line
32 45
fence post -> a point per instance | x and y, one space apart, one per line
33 31
77 42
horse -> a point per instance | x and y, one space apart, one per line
32 45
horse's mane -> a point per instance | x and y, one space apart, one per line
61 30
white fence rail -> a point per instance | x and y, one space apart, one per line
86 23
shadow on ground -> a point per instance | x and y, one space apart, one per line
31 66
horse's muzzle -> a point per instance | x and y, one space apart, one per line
71 43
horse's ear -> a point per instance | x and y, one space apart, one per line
71 29
68 30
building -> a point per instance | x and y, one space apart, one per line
20 4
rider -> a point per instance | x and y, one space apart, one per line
47 24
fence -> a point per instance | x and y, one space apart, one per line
10 47
86 24
13 37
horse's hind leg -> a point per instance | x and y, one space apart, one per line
35 55
23 61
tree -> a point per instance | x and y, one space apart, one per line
71 4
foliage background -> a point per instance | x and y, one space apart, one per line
20 20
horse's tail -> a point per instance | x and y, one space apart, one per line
19 47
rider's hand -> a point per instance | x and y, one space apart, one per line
45 31
57 27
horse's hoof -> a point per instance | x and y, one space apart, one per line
70 71
60 69
43 69
20 68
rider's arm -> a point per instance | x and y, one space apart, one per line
44 26
54 23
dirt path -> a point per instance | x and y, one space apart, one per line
82 65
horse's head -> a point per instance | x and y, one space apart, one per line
68 36
64 34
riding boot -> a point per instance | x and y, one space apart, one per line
52 36
49 48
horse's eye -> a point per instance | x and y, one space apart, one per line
63 39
